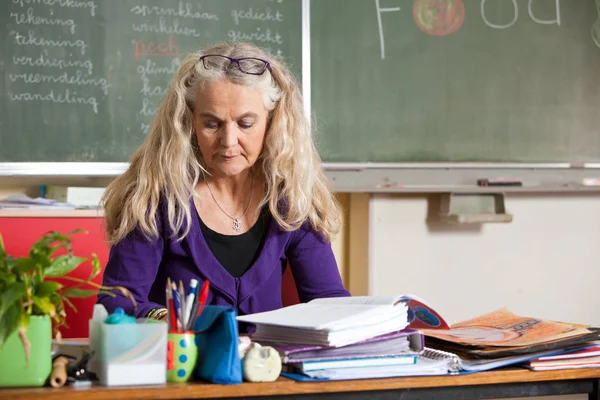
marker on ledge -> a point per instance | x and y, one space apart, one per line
499 182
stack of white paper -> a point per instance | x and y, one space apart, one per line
21 202
330 324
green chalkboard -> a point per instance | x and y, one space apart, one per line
80 79
456 80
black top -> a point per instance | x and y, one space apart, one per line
237 253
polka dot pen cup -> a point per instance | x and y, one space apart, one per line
182 353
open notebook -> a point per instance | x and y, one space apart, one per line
456 364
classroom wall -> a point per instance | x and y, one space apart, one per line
546 263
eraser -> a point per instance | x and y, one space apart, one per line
499 182
591 182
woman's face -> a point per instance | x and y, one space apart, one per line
230 122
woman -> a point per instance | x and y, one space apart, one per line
227 188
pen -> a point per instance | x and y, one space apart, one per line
189 304
171 309
176 305
201 301
194 308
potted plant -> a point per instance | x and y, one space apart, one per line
32 305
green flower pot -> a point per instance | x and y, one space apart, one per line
14 370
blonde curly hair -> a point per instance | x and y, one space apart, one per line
168 165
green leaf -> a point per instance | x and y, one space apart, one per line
9 322
11 295
62 265
46 288
24 265
45 305
76 292
42 249
7 263
96 267
7 279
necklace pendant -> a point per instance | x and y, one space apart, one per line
237 225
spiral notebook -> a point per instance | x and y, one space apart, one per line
457 364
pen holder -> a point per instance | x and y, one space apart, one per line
182 353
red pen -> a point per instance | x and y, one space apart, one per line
199 306
172 316
203 296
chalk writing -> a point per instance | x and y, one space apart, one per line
65 97
184 10
32 40
516 15
77 79
148 109
61 3
43 60
171 28
380 10
150 68
148 90
29 18
263 36
256 15
143 49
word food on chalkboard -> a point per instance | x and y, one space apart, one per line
445 17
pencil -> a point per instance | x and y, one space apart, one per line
181 305
167 290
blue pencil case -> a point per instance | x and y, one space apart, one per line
217 340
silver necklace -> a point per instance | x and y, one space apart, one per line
237 224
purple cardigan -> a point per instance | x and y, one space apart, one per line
143 265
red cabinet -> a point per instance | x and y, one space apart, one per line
19 233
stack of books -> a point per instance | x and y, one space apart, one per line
502 338
587 357
345 338
376 337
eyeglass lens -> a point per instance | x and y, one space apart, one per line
247 65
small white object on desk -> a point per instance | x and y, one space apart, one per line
261 364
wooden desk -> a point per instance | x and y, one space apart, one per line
494 384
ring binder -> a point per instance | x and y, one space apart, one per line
454 362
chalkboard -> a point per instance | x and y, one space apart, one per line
81 79
456 80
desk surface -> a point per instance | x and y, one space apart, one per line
284 386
